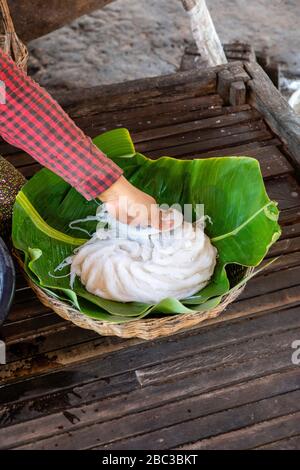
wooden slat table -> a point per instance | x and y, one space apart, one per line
230 383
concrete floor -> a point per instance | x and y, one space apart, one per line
137 38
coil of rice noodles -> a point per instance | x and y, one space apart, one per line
126 264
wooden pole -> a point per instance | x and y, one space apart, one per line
204 32
35 18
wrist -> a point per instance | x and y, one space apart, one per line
118 188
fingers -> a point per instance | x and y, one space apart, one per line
142 215
160 219
132 206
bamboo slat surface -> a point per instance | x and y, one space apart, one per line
230 383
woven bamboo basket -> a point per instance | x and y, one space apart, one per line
147 329
9 41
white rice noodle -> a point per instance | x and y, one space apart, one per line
125 264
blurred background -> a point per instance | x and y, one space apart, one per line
131 39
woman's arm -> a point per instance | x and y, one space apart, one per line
33 121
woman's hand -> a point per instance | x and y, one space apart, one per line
131 206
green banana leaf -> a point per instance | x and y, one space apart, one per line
244 223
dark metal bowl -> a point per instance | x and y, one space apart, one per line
7 281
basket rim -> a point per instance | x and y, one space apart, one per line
147 328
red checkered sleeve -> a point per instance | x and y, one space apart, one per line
33 121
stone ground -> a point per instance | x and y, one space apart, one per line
137 38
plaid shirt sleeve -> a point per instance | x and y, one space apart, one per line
33 121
